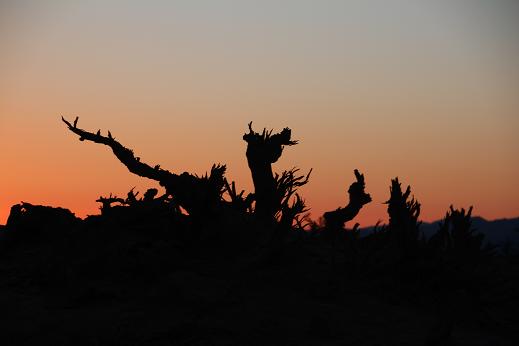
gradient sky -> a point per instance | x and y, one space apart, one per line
424 90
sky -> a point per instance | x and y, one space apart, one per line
424 90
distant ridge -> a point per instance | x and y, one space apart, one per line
502 233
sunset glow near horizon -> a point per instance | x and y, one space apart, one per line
424 90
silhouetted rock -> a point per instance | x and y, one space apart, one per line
36 219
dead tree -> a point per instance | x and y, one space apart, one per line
334 220
200 196
358 198
271 191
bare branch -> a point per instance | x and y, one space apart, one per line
124 154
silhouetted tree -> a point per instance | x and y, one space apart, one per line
334 220
357 199
272 192
200 196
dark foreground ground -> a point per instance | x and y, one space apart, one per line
100 285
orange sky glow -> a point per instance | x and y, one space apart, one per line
426 91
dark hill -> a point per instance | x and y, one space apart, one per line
136 276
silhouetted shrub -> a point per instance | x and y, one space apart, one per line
456 235
403 227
